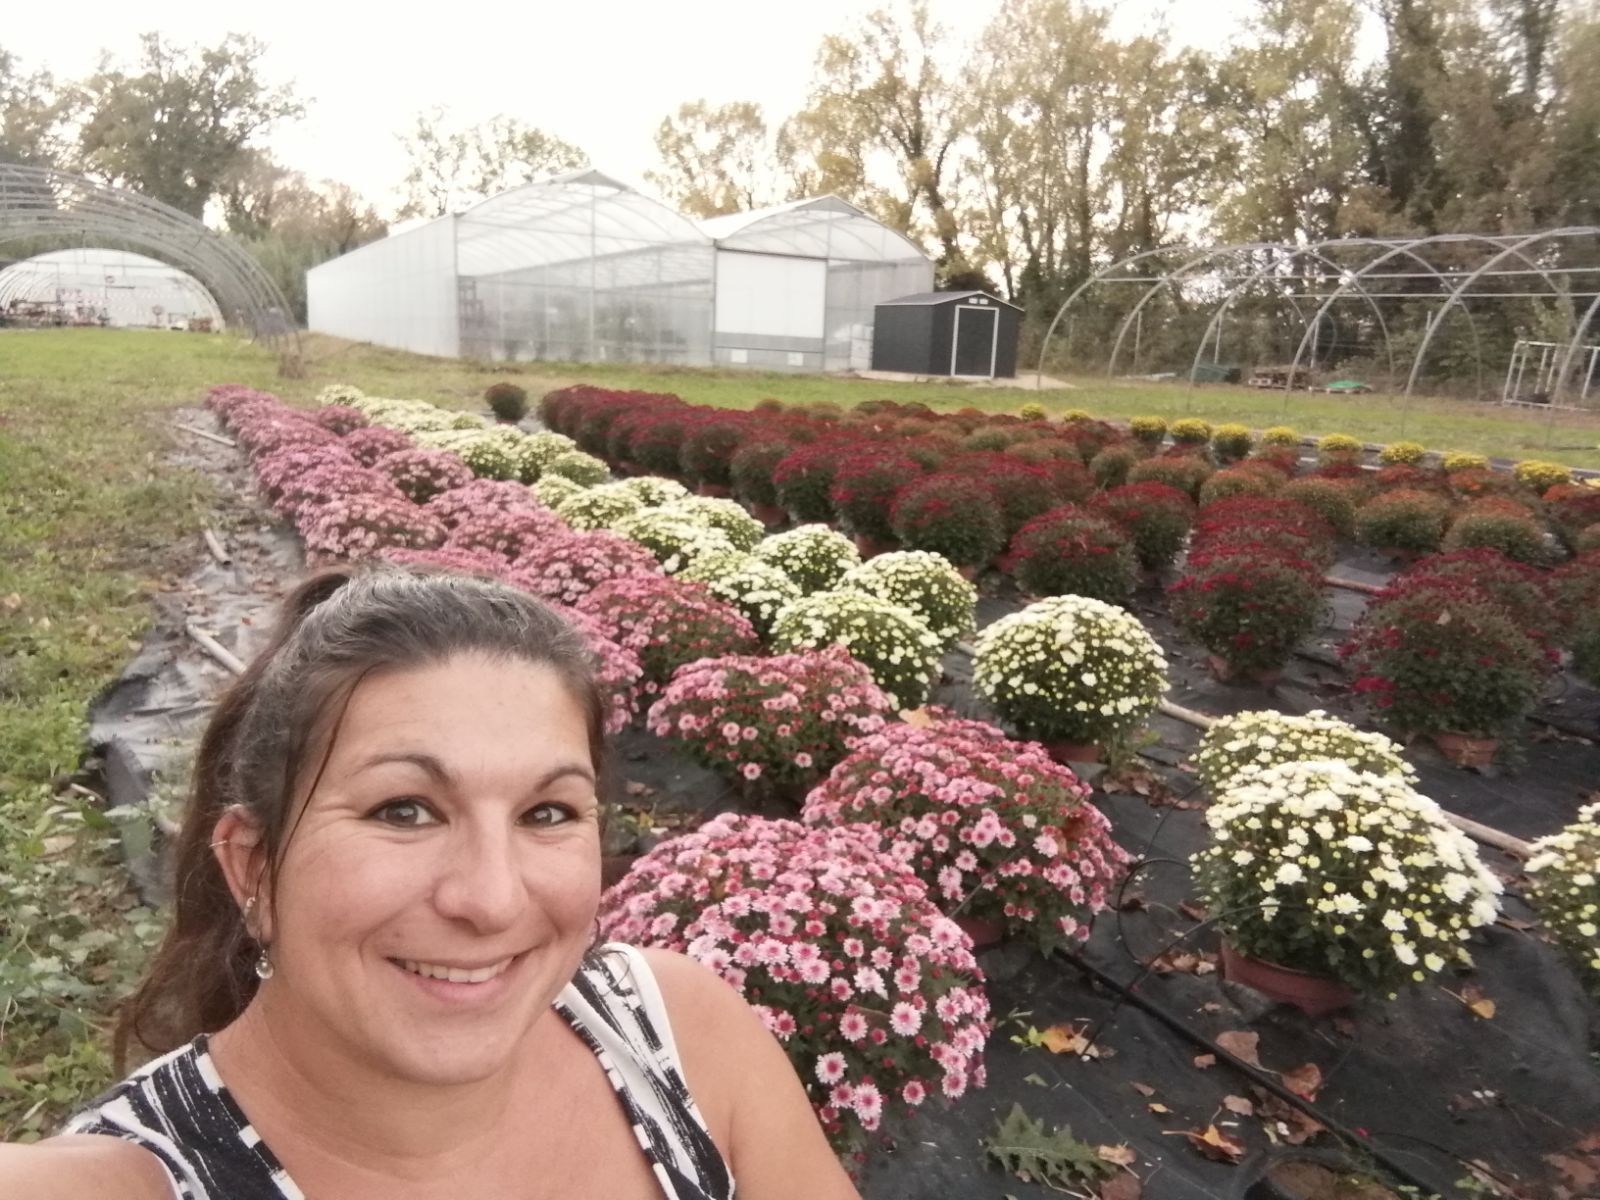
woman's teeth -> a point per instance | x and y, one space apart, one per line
456 974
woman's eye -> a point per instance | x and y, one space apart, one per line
404 813
550 814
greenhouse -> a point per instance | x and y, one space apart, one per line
92 286
584 268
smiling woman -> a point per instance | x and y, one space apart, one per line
381 973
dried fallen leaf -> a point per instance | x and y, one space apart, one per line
1239 1106
918 717
1202 1061
1214 1144
1144 1089
635 788
1242 1045
1195 912
1579 1173
1345 1026
1159 1108
1284 1122
1472 996
1304 1081
1067 1039
1122 1187
1122 1156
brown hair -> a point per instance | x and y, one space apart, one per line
334 630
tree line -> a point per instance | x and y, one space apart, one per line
1045 147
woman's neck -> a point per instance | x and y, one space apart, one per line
319 1106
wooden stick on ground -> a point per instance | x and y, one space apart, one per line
1486 834
208 435
214 648
214 544
1353 585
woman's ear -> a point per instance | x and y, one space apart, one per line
237 842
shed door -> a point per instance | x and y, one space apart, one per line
976 335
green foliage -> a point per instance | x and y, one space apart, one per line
1110 467
508 401
1404 519
1056 1159
1329 499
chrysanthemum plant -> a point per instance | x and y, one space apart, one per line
1564 890
1069 668
785 721
996 830
890 641
926 584
1255 740
1339 873
870 989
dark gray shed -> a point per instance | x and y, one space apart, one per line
966 334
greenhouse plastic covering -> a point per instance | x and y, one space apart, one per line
100 286
584 268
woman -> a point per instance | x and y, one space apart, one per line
380 979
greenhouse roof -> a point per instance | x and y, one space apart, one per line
819 227
583 214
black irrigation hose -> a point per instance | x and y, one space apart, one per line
1126 994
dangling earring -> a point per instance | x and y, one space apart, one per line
264 963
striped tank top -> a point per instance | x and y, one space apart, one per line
178 1108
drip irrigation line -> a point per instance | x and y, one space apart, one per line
1258 1076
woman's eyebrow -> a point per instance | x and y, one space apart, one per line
442 775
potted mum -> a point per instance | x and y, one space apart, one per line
652 491
804 480
551 490
1405 523
1329 882
952 515
1340 449
1330 499
1448 662
580 468
924 583
479 496
1249 607
725 516
774 726
1500 523
1156 517
864 487
362 524
1190 431
706 453
750 474
1149 432
814 556
1231 442
1110 468
753 586
598 507
1004 838
1186 472
1527 595
537 451
374 442
1240 481
1070 550
1255 740
1562 873
872 992
567 567
677 542
1071 672
507 533
890 641
667 623
423 474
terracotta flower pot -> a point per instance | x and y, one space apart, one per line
1067 753
720 491
1004 563
1226 672
769 515
871 547
968 571
1466 751
1314 995
983 933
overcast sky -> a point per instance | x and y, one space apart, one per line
600 73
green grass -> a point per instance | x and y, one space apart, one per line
92 524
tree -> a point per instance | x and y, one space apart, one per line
181 121
453 168
30 115
291 225
883 89
715 160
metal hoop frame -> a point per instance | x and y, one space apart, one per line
38 204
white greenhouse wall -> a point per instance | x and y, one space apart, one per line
399 292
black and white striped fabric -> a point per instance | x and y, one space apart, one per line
178 1108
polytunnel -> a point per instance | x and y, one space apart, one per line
99 286
584 268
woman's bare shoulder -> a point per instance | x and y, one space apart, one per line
71 1167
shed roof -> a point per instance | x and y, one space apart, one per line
928 298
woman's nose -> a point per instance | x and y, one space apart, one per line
481 881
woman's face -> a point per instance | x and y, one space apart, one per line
442 883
